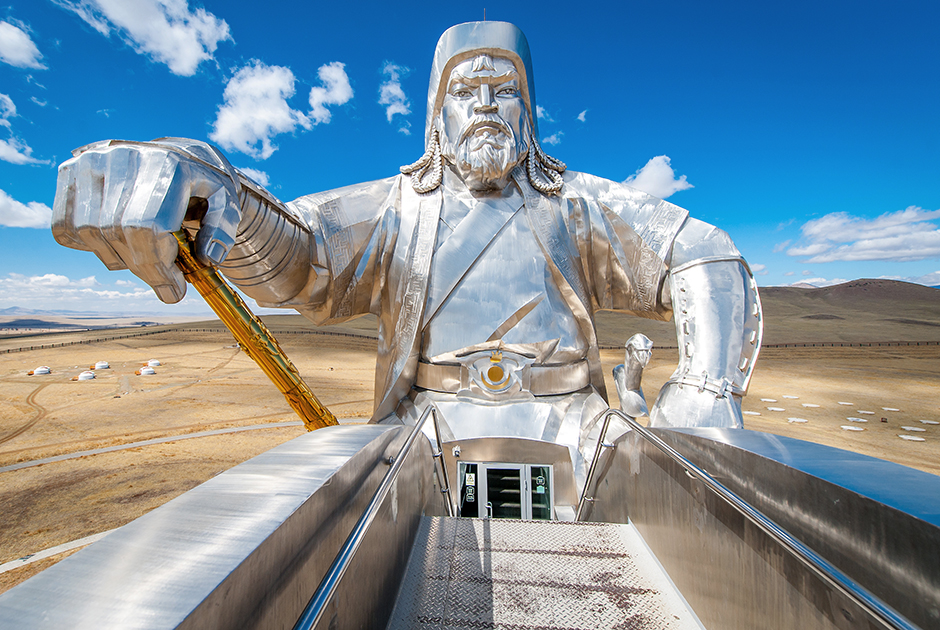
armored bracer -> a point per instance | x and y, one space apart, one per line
271 257
719 326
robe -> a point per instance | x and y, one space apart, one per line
605 245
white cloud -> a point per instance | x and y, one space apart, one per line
789 273
13 150
124 283
17 49
255 110
905 235
7 110
542 114
15 213
583 116
759 269
553 139
393 96
657 178
931 279
166 30
58 291
820 282
259 177
779 247
336 92
807 272
38 102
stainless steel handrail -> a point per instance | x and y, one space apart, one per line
819 565
601 444
317 605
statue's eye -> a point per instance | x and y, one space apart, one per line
507 91
461 93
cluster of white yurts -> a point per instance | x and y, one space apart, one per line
146 370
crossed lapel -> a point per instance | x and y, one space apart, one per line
457 255
419 217
546 218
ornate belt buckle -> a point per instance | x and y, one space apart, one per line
495 375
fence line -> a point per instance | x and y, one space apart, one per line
817 344
177 330
331 333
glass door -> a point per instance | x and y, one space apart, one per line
522 491
540 492
504 493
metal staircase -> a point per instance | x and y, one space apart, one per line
500 573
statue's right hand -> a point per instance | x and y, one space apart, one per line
123 201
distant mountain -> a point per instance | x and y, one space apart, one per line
864 289
17 311
857 311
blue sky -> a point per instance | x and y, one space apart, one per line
808 130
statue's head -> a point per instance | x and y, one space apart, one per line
480 120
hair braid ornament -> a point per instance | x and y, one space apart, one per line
543 170
427 172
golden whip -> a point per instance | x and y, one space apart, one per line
252 336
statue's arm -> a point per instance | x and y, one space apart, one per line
718 320
123 200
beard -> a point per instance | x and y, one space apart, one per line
487 152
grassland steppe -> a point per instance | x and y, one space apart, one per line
829 355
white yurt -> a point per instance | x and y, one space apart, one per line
86 376
101 365
146 371
42 369
153 363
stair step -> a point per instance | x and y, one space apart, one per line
500 573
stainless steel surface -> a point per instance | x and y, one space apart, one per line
719 326
123 201
246 548
316 608
627 377
590 482
441 465
506 251
735 566
487 573
877 521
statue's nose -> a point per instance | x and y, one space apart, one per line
485 103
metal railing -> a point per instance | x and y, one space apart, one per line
318 604
809 558
592 471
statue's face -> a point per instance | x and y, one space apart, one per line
483 122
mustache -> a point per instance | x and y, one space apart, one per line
479 121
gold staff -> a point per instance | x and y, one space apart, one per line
252 336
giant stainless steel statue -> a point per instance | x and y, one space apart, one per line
484 260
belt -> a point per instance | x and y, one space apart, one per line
496 373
